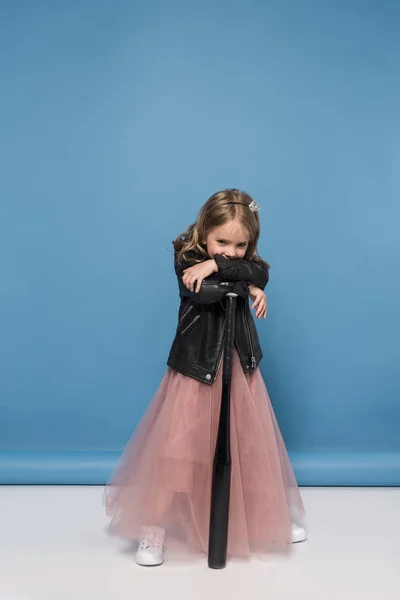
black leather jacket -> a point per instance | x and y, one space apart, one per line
198 345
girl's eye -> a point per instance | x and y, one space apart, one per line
221 242
242 245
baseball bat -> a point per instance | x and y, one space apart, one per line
221 479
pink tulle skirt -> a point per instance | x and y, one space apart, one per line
164 475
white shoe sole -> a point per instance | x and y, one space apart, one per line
149 562
300 537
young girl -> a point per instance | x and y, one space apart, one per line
162 484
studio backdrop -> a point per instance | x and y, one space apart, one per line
118 120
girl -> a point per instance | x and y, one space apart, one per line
163 481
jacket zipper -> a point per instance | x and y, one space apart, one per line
186 313
220 355
253 358
190 324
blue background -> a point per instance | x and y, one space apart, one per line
118 119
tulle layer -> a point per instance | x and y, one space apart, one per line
164 475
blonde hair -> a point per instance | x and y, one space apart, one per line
221 208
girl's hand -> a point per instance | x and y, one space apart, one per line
198 273
259 299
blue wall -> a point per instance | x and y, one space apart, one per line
118 119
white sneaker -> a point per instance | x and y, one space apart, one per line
150 552
299 534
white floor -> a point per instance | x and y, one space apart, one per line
54 545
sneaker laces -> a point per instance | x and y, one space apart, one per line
152 539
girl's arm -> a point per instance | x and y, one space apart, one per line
242 270
212 289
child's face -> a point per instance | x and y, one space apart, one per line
230 240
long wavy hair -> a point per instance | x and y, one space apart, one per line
221 208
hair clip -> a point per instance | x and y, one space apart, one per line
253 206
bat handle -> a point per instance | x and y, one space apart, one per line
229 335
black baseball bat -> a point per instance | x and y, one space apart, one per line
221 479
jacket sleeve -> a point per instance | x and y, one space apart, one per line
242 270
212 289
